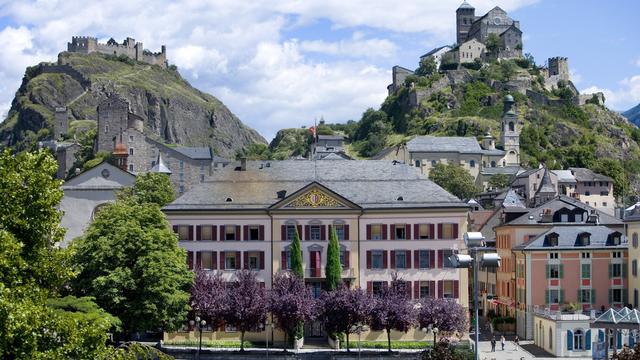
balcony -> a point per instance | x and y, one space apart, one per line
348 273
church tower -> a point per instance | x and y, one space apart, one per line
509 133
465 15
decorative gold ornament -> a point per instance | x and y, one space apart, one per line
314 199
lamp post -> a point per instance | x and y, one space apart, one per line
475 241
200 323
359 329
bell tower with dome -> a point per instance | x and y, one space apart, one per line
510 133
465 16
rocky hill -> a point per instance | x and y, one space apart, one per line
173 111
633 114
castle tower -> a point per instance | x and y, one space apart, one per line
120 155
465 15
113 118
61 123
488 141
509 133
559 66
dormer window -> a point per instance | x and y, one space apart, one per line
552 239
584 239
615 238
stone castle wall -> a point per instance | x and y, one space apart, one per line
62 69
130 48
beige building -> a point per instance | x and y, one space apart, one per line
632 221
388 217
468 51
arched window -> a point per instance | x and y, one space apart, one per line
472 163
634 240
433 163
417 163
578 340
511 126
504 163
550 338
493 164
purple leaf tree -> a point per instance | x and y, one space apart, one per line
344 310
209 298
446 315
392 309
291 303
247 304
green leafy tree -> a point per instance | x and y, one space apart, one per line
427 67
296 256
493 43
613 169
499 181
455 179
255 151
333 269
130 262
153 188
509 69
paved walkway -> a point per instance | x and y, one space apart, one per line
510 352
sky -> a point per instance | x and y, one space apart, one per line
287 63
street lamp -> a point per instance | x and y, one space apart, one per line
475 242
431 329
359 329
200 323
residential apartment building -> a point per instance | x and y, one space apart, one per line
566 265
388 217
562 211
632 220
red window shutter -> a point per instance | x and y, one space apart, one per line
368 231
261 232
261 260
299 230
407 231
455 231
191 232
416 290
214 260
238 260
245 232
346 260
222 260
214 232
416 231
198 260
237 232
346 232
198 232
432 231
283 232
416 259
407 288
245 259
318 262
393 259
455 289
175 229
262 285
440 289
440 259
368 259
312 260
408 257
323 232
190 259
432 259
432 288
439 232
393 232
369 287
222 234
307 232
283 260
384 259
384 231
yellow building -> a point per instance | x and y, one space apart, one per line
389 219
632 222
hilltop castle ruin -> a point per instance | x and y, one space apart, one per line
129 47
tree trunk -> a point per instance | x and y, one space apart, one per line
389 339
347 335
242 341
286 341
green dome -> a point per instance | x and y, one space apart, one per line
508 98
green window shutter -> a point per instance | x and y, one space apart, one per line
579 297
546 297
560 271
625 296
624 270
561 297
548 269
593 296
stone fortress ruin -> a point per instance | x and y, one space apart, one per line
129 47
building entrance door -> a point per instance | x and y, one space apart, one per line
314 329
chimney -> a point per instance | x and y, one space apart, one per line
243 164
547 216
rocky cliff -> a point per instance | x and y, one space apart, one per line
173 111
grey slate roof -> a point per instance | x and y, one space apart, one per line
196 153
465 5
464 145
435 51
546 187
558 203
507 170
367 183
160 166
564 176
583 174
330 137
494 152
568 238
513 200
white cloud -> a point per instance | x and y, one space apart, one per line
638 62
243 51
624 97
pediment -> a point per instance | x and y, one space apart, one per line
314 196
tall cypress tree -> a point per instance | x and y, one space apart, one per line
296 256
333 269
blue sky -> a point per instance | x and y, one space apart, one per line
284 63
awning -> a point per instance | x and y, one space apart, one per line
505 302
